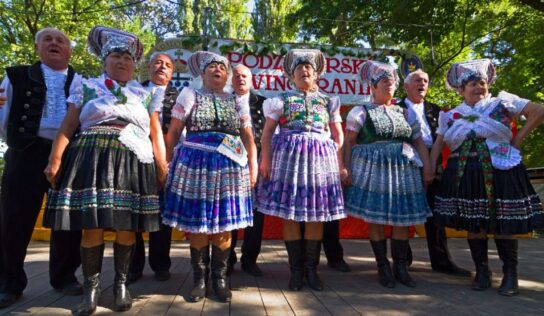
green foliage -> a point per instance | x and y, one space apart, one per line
21 19
507 31
228 18
271 21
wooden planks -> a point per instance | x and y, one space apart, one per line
354 293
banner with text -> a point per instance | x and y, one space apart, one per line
340 78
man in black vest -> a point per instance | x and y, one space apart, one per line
161 69
36 104
416 85
241 83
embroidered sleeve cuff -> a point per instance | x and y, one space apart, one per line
178 115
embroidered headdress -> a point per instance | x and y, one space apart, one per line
201 59
371 72
461 72
296 57
103 40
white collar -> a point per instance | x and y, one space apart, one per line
49 69
245 96
151 84
409 102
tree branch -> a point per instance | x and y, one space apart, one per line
535 4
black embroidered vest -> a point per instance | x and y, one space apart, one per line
214 114
29 97
170 96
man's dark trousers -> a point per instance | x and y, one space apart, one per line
23 188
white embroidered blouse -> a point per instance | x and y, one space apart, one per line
100 105
489 119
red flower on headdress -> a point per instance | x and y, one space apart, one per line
456 115
283 120
109 83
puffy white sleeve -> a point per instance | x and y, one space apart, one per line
79 90
356 119
184 104
273 108
443 119
334 110
242 107
512 102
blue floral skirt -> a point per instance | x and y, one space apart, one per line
206 192
386 187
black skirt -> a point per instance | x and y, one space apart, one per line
464 204
102 184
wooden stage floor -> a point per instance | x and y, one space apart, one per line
355 293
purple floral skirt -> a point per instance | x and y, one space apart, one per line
304 184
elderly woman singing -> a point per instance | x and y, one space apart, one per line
208 191
107 178
485 188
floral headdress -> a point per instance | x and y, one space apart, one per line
371 72
201 59
460 72
103 40
296 57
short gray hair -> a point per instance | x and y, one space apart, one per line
156 55
45 29
244 67
410 76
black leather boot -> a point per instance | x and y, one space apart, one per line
508 252
478 250
91 264
295 253
399 251
220 261
122 256
312 252
385 274
200 259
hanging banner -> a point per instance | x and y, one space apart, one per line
265 63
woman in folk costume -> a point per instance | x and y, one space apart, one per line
208 191
107 178
385 152
485 187
300 165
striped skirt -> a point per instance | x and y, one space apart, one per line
464 205
206 192
304 184
102 184
386 187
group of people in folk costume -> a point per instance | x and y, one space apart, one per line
115 154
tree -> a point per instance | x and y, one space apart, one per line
223 19
271 21
536 4
23 18
160 17
440 33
